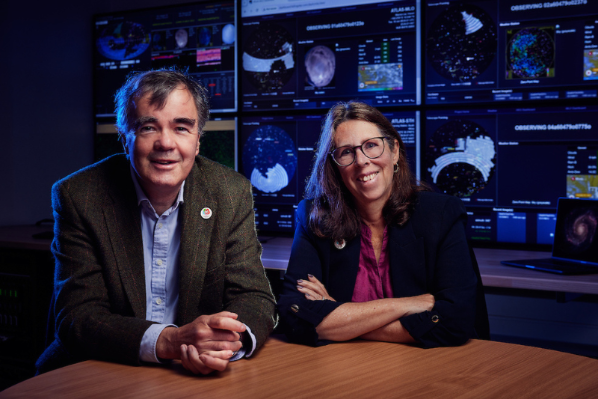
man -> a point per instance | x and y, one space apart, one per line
157 239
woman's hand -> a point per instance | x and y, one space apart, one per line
419 304
313 289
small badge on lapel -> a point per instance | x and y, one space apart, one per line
206 213
340 244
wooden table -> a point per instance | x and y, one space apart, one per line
357 369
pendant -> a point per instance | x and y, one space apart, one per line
340 244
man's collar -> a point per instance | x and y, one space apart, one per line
141 194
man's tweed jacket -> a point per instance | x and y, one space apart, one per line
99 294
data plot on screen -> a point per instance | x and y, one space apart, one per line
510 166
310 55
199 38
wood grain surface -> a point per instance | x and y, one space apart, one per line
357 369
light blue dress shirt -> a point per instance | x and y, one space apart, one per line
161 244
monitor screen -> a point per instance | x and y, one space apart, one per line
575 233
510 50
510 166
198 37
218 141
301 54
277 156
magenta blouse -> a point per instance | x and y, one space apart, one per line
373 278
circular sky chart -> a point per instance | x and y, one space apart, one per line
123 40
530 53
461 42
320 64
269 57
460 158
269 159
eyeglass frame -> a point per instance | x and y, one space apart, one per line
362 151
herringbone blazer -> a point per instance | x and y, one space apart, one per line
99 297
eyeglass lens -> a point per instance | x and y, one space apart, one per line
372 148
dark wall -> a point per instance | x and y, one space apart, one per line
46 120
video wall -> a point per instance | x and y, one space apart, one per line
199 37
277 154
329 51
510 165
494 99
510 50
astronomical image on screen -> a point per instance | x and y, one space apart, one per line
277 155
310 55
579 231
509 166
199 38
509 50
461 42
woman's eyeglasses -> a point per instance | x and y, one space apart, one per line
372 148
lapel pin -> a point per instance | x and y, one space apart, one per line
206 213
340 244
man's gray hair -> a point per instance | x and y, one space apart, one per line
159 84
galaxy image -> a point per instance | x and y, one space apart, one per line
580 229
530 53
460 158
269 58
461 42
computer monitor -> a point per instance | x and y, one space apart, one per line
198 37
302 54
510 165
277 154
510 51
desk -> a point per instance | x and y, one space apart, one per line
21 237
26 278
277 251
26 262
357 369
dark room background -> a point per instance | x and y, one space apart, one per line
46 108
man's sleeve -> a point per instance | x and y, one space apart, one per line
247 290
85 324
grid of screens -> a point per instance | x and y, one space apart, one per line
277 154
510 50
463 65
510 166
310 55
200 37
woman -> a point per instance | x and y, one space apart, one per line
375 256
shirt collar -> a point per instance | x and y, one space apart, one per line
141 194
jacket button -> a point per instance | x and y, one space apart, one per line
295 308
435 318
